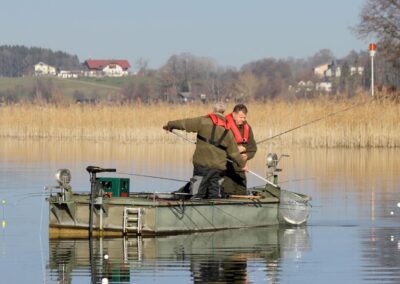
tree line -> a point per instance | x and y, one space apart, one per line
17 60
260 80
263 79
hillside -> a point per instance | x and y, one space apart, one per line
21 88
17 61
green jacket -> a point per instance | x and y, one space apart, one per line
206 154
251 146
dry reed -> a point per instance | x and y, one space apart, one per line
369 124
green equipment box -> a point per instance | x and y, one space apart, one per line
118 187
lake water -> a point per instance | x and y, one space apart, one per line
353 235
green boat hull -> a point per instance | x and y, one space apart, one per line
152 214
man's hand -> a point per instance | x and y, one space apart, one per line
246 167
242 149
167 128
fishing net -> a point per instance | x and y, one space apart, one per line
293 208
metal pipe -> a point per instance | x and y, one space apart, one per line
372 76
101 218
92 191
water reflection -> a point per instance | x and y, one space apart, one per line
221 256
381 254
355 238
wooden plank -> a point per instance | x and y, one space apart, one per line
245 196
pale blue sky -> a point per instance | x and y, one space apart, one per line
232 32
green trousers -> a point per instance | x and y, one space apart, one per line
235 182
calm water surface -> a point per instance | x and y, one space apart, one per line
353 235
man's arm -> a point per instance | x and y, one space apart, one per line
189 124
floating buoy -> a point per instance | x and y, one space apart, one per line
104 281
105 256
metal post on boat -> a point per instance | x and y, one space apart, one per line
93 191
91 204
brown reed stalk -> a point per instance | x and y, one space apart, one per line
373 124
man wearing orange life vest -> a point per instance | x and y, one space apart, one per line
214 144
235 182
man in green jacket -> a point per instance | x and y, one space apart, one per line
214 144
235 182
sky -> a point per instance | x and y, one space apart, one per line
232 32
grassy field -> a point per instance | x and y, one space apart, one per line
90 87
359 122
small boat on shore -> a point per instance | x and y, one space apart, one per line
110 209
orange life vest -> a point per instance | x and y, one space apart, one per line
236 132
218 120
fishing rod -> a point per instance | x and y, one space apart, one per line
183 137
313 121
148 176
229 160
296 180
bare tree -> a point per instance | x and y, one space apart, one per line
321 57
142 65
381 18
247 85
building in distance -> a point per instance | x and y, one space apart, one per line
106 68
43 69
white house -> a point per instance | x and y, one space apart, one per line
320 70
109 68
328 70
44 69
356 70
323 86
66 74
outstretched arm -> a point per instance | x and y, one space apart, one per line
189 124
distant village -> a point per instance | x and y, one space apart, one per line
98 68
325 73
92 68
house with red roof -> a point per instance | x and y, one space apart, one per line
109 68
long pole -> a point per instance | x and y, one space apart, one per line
91 211
372 51
372 75
149 176
312 121
264 179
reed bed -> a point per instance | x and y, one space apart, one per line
367 124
